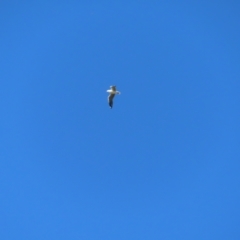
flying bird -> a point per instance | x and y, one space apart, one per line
112 92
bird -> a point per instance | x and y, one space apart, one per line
112 92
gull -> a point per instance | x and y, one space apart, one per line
112 92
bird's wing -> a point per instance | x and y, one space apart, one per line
113 88
110 99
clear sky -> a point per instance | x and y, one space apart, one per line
163 163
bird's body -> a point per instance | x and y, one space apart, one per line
112 92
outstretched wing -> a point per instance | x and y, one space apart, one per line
110 100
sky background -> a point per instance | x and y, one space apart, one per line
163 163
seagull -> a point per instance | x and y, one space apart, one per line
112 92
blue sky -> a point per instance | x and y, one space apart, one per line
163 163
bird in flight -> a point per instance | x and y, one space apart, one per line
112 92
